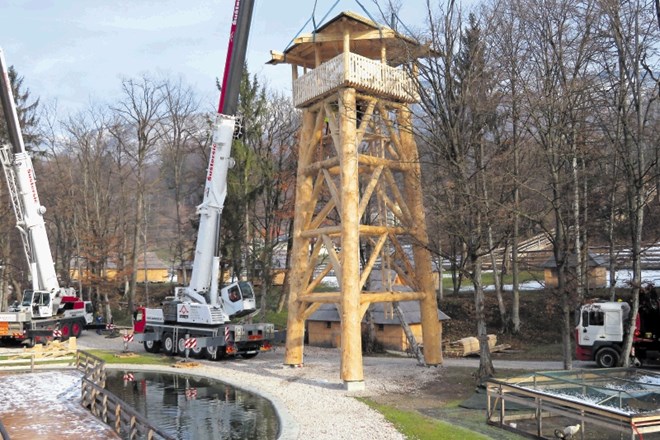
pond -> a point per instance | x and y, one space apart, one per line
190 407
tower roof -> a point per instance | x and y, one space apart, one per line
367 39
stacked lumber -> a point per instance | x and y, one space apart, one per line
470 346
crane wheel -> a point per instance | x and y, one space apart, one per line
152 346
66 332
76 329
169 344
214 353
181 346
197 352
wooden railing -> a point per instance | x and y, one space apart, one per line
53 354
362 73
109 408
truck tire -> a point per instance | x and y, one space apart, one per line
169 344
76 328
181 346
66 331
152 346
607 357
197 352
214 353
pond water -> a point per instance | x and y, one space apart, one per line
189 407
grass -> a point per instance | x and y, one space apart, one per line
539 352
279 319
138 359
415 426
487 279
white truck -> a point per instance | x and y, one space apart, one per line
199 315
602 327
47 309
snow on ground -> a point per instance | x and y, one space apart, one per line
622 278
46 405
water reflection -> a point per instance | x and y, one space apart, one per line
188 407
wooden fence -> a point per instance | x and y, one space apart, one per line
108 407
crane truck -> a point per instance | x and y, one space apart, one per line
198 317
603 325
46 307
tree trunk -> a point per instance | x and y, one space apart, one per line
284 293
486 369
370 345
638 223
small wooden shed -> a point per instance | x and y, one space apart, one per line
324 326
596 270
154 271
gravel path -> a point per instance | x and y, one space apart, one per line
311 401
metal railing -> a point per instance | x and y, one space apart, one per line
109 408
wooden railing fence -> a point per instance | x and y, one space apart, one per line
109 408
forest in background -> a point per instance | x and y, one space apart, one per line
535 116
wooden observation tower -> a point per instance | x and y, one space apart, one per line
359 210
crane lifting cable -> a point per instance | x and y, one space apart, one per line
314 23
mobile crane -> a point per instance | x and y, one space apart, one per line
46 306
201 312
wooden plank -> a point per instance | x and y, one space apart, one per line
333 191
334 258
372 259
368 191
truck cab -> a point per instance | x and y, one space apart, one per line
600 332
38 304
238 299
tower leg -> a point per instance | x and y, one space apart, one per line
300 253
431 329
351 343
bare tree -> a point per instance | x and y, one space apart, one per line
458 106
182 130
139 115
630 61
97 209
560 34
274 151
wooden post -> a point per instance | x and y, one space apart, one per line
431 330
299 254
133 428
104 411
351 344
118 418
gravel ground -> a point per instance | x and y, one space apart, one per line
312 401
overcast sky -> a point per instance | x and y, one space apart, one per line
77 51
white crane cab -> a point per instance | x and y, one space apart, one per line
238 299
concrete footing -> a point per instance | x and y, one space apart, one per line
357 385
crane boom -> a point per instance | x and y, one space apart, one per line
202 311
21 182
203 288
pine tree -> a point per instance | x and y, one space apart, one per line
27 111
